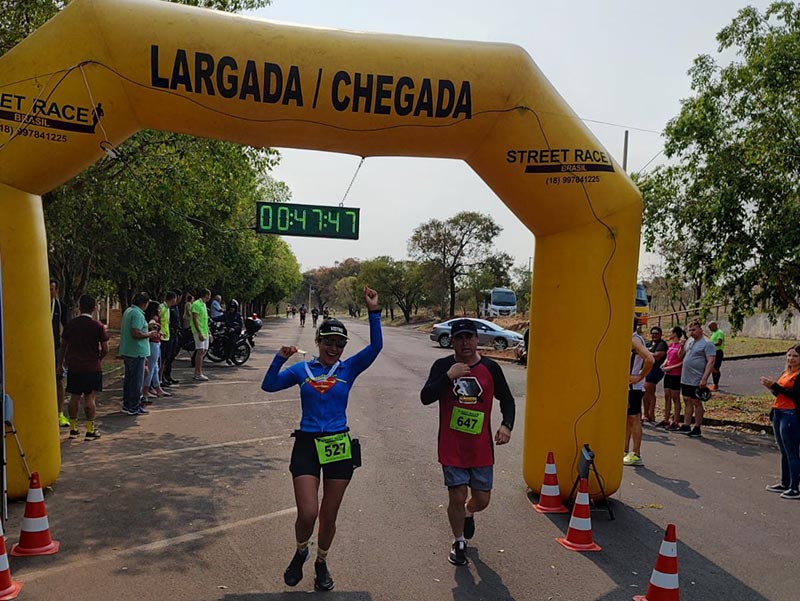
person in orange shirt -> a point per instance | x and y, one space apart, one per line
786 424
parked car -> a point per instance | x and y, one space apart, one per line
489 334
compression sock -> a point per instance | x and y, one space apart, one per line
89 425
716 379
322 554
73 423
301 547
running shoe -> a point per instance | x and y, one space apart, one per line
685 428
74 434
777 487
63 421
458 553
791 494
695 433
294 573
713 387
322 580
469 527
201 378
141 411
673 427
127 411
92 435
632 459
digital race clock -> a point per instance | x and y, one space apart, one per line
289 219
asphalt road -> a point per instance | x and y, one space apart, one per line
195 502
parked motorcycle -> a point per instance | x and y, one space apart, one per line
244 341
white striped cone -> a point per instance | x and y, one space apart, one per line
34 538
579 533
664 579
8 588
550 495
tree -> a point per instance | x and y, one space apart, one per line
522 287
397 282
454 246
725 212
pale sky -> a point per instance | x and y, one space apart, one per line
621 62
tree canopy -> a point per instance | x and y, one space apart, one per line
724 213
456 247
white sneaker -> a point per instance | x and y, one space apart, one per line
201 378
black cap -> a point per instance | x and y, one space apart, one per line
703 393
461 326
332 327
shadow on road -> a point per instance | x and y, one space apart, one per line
629 559
332 596
489 586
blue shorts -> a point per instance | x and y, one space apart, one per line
477 478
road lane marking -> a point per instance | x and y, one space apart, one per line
158 545
159 409
86 464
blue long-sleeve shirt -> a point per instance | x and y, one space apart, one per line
324 401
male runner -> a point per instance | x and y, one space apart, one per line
465 385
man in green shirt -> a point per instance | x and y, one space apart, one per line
199 325
134 348
718 338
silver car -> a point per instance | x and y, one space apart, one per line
489 334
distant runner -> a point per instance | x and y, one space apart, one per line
465 385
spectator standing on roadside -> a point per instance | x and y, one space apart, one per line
698 355
187 311
173 319
658 348
672 379
152 382
134 348
215 309
59 318
167 335
718 338
786 425
199 326
84 344
641 363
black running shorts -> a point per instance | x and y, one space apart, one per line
84 383
635 402
305 461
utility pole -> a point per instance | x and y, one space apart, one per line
625 153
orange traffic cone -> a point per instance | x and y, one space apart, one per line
664 579
550 497
8 588
34 539
579 533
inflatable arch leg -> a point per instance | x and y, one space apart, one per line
29 353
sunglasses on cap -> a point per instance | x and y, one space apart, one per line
337 343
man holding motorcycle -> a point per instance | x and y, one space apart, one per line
233 328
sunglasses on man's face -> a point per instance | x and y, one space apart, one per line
336 343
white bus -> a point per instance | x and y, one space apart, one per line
498 302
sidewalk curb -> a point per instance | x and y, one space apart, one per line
757 356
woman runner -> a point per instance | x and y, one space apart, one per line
323 443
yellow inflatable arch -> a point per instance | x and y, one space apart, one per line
102 70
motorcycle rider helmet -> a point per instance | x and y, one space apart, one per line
233 304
